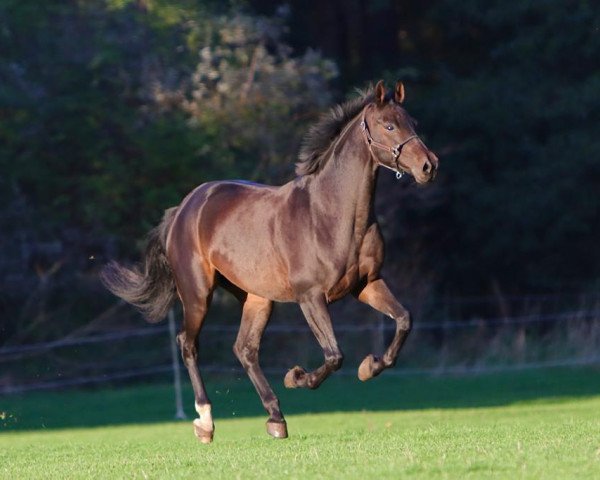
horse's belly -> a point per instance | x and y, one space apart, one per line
250 261
254 274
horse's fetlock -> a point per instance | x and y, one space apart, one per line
388 361
334 361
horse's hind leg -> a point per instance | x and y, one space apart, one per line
195 286
255 316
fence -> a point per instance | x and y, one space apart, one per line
459 346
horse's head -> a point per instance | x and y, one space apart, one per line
390 133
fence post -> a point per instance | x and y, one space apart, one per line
179 413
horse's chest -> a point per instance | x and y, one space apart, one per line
362 262
345 284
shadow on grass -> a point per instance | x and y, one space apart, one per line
234 397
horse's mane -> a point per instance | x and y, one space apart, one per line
320 135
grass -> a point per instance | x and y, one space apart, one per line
541 424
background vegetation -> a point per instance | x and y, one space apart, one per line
112 110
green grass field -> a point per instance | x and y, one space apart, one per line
535 424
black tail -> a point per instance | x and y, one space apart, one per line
152 290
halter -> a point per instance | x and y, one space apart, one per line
395 150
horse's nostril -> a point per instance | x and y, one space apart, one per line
427 167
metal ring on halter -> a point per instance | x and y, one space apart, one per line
399 172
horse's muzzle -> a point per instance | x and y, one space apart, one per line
430 167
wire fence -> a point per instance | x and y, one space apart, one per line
479 345
12 352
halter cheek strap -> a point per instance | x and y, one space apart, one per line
395 150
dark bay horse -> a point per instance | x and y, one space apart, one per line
310 241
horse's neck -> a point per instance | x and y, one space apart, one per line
346 185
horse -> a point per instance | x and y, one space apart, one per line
311 241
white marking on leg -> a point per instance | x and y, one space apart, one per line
205 414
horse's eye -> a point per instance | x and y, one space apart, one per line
390 127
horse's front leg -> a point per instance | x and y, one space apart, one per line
316 314
377 295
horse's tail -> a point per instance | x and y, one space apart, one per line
151 290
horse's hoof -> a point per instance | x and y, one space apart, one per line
204 435
293 376
277 429
366 369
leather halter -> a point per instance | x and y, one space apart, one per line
395 150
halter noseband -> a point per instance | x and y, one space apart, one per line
395 150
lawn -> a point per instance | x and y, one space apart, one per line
537 424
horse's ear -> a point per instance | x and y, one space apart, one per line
380 92
399 92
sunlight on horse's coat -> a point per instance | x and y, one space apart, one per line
311 241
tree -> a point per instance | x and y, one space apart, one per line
521 168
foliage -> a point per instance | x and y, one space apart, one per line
254 96
106 97
522 145
112 110
507 95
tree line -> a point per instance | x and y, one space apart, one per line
112 110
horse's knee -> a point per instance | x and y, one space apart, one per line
245 354
404 321
237 351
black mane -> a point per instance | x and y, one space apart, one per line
321 134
